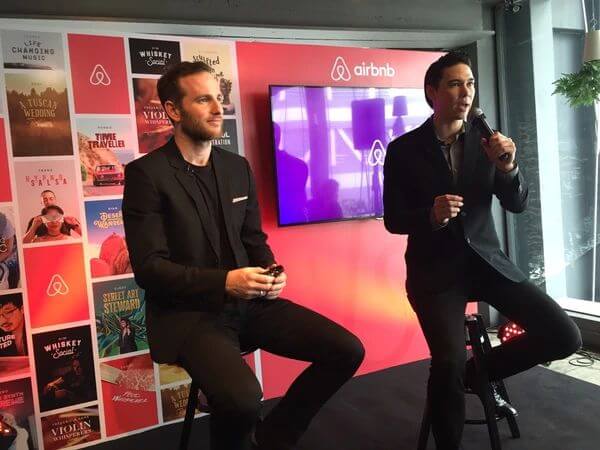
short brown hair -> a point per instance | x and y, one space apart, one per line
168 84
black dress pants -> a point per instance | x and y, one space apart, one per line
550 334
211 355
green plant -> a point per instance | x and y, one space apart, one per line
581 88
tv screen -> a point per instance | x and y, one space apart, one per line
330 145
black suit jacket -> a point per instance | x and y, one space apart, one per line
174 247
415 172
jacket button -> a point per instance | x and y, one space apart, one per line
468 240
463 213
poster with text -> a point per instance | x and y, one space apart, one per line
13 336
218 55
151 56
57 291
99 74
229 140
10 271
48 201
154 128
128 390
174 402
120 317
106 238
64 367
39 113
32 50
16 410
70 428
106 145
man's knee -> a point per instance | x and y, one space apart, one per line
240 401
349 351
570 340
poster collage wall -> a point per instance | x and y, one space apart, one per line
75 367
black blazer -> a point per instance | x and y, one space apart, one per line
415 172
173 245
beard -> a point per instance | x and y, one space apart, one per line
196 131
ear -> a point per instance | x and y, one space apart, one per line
431 92
172 111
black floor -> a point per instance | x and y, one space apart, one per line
382 411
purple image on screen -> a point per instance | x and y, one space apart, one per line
330 145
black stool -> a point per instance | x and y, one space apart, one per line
191 410
476 336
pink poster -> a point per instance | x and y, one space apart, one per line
99 74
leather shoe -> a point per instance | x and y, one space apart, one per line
503 408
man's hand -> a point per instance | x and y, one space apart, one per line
446 207
278 285
248 282
497 145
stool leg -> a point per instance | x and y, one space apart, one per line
489 407
189 417
512 421
425 428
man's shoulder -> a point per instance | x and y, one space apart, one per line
408 141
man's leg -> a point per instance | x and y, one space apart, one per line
550 333
442 318
211 355
286 329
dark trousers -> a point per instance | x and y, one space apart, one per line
211 355
550 334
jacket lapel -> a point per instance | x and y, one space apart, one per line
188 182
433 153
471 151
223 175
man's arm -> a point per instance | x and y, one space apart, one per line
252 235
511 189
147 243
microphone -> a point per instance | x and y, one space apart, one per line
484 128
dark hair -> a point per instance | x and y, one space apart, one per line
168 84
15 299
54 207
435 72
48 190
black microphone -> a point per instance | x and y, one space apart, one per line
484 128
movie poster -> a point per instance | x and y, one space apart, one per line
10 272
229 140
106 145
120 317
71 428
174 402
218 55
39 113
5 188
48 201
56 285
99 74
128 390
16 409
153 57
13 336
106 238
64 367
32 50
154 128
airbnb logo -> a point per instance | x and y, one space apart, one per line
57 286
341 72
99 76
376 154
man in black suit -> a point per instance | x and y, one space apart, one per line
438 187
196 244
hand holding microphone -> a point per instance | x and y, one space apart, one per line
499 149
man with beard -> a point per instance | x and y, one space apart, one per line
194 234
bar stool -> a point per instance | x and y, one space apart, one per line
476 336
190 411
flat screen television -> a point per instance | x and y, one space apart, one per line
329 145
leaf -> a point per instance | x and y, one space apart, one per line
581 88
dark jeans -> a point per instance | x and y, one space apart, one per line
550 334
211 355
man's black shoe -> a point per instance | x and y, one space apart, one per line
503 408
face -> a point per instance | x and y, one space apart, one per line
200 112
76 365
11 318
123 324
453 97
48 198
